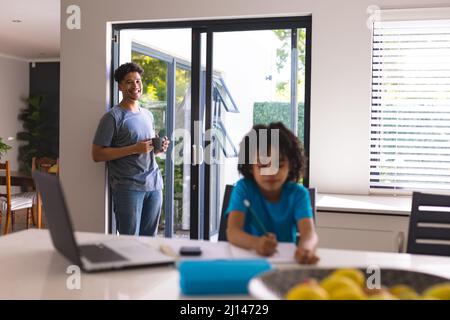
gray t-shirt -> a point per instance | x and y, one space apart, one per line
119 128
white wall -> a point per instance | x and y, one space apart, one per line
14 88
340 97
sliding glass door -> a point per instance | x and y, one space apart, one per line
207 83
252 83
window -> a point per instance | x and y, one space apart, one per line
410 114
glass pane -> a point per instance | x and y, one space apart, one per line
154 82
182 177
301 49
157 51
154 99
275 106
252 84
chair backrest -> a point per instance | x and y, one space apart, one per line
312 196
226 200
44 164
223 219
5 166
428 224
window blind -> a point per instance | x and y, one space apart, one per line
410 112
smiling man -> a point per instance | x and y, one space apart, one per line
123 140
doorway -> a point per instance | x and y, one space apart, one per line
207 83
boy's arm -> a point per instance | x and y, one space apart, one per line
265 245
100 153
306 249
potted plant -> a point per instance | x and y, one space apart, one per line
3 148
40 134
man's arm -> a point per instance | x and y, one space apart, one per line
100 153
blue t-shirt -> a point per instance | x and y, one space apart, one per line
119 128
279 217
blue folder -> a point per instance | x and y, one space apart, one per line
199 277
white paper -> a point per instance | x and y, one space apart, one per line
285 253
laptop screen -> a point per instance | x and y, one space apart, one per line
57 215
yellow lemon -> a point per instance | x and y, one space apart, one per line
383 296
348 293
404 292
439 291
307 292
426 298
336 282
356 275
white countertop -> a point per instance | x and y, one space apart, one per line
366 204
30 268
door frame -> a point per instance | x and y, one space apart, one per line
200 184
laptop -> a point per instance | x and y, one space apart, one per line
105 255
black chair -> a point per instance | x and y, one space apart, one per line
223 219
312 196
226 200
429 215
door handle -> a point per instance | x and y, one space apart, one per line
194 154
400 241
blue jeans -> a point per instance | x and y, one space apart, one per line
137 212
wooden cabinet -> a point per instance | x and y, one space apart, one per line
359 231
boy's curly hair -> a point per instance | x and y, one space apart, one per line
126 68
290 148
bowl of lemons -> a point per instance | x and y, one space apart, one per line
349 284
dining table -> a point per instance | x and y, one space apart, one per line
18 178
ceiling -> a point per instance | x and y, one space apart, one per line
36 37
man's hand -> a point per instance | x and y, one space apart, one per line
306 254
144 146
165 144
267 244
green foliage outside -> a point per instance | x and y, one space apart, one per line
154 79
283 54
3 148
267 112
41 132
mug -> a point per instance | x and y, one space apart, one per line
157 143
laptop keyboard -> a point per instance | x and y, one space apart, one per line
98 253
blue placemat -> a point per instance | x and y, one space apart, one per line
219 276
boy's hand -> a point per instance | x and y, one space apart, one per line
306 254
267 244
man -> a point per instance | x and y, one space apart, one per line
124 140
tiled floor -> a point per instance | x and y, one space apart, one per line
20 224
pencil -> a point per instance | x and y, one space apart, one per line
255 217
